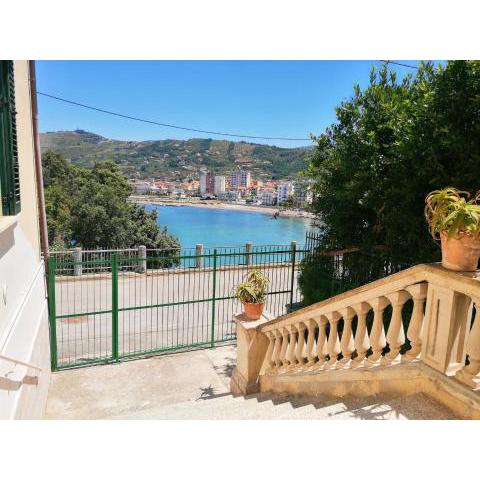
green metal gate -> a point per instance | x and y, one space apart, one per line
110 305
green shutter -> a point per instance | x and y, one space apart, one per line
9 171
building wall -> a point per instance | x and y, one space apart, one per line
219 185
23 302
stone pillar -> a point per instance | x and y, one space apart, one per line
77 257
252 346
248 253
142 254
199 253
445 329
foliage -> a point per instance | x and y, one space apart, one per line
253 289
393 142
325 275
452 212
90 208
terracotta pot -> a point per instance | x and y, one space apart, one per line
253 311
460 253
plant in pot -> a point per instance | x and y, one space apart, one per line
252 292
454 217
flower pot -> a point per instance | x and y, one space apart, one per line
460 253
253 311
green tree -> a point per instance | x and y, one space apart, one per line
392 143
90 207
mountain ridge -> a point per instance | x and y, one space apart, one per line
177 159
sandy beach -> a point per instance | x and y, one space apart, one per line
283 212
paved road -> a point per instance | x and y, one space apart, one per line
87 334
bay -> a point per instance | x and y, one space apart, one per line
215 227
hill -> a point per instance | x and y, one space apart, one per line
176 159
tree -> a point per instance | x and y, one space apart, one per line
90 207
392 143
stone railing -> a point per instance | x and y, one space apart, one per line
350 331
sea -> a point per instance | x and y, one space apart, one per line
216 227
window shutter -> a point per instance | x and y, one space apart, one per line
9 169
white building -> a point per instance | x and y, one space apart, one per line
284 191
203 183
145 187
24 332
302 194
241 179
230 196
267 197
219 185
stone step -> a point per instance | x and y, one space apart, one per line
280 407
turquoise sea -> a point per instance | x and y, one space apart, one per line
220 227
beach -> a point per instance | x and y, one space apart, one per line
282 212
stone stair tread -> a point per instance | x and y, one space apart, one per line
228 407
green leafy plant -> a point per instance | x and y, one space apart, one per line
253 289
454 212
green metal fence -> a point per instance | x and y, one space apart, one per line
126 306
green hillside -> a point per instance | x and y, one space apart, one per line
176 159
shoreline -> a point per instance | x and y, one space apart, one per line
144 199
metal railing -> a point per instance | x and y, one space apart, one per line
116 306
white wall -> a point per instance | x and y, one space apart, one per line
23 303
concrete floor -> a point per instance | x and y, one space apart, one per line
195 385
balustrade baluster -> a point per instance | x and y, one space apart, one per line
311 327
377 334
346 343
414 331
283 337
396 334
299 352
292 345
469 375
361 343
333 345
270 350
321 340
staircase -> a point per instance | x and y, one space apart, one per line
267 406
413 332
195 386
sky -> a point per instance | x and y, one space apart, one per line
261 98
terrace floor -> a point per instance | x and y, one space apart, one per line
195 385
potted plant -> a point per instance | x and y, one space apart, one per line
454 217
252 292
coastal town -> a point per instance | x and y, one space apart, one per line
238 189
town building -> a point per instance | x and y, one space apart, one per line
219 184
267 197
230 196
239 179
207 183
302 194
285 190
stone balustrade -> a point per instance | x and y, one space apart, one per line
338 338
424 314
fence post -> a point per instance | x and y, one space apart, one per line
198 255
248 251
52 313
214 283
114 260
142 254
292 280
77 258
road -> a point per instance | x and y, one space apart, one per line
154 309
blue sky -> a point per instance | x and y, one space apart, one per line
262 98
